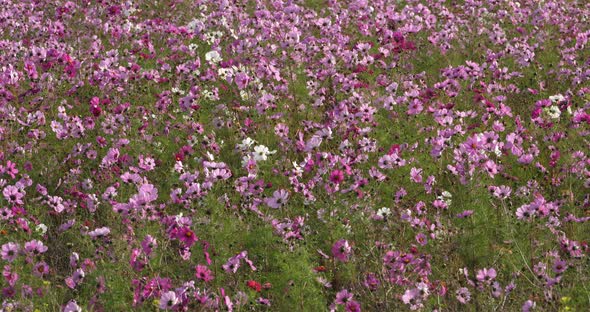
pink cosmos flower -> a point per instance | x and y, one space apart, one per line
233 263
203 273
463 295
72 306
343 297
56 203
9 169
278 199
416 175
10 276
559 266
421 239
99 232
9 251
168 300
148 244
528 305
13 194
40 269
35 247
486 275
372 282
412 297
341 250
242 80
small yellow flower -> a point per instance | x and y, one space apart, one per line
565 300
46 283
156 302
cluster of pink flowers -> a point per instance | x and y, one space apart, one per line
290 154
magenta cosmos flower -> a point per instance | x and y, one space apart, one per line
203 273
337 176
186 236
341 250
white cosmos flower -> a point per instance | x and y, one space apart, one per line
446 197
244 94
261 152
557 98
225 72
193 47
497 151
246 143
213 56
298 170
383 212
245 160
41 228
553 111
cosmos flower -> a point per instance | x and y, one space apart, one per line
337 176
279 198
463 295
40 269
168 300
213 56
9 251
13 194
186 236
261 153
35 247
341 250
99 232
559 266
383 212
486 275
343 297
528 305
72 306
203 273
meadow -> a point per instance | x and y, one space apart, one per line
294 155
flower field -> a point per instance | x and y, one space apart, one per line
294 155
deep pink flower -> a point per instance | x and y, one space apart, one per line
337 176
187 236
203 273
341 250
